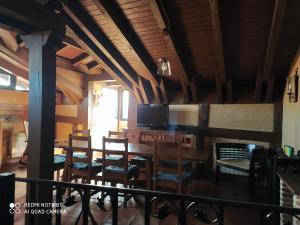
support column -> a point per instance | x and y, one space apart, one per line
42 88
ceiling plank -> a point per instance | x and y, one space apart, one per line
9 39
116 18
86 23
92 65
85 43
221 77
100 77
277 21
170 41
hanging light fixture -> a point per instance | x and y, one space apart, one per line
164 67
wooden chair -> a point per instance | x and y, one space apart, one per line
84 166
165 177
116 134
187 142
144 164
84 133
117 171
245 158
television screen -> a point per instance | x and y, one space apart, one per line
152 115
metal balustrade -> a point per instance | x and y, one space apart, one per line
156 204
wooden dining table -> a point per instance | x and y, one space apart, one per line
142 150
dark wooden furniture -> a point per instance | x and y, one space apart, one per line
165 177
119 171
247 158
85 133
116 134
82 165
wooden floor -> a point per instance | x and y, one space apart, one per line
230 187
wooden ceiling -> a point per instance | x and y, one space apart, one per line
220 51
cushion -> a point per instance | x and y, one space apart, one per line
132 170
79 155
114 157
84 166
59 159
186 165
172 177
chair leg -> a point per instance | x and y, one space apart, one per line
251 182
217 174
125 195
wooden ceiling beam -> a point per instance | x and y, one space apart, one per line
105 77
114 14
221 77
277 21
86 43
163 89
258 86
171 43
28 16
86 23
79 59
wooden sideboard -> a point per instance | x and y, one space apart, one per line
137 135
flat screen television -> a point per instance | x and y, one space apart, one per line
152 115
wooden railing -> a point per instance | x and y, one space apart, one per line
156 204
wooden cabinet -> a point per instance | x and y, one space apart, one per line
136 136
133 136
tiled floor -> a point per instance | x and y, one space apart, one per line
230 187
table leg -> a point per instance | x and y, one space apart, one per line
149 173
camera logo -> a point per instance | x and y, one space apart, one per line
14 208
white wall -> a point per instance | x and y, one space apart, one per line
291 115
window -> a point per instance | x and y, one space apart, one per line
4 80
109 100
125 104
22 84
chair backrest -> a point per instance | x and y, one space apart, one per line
236 150
187 140
85 133
80 144
147 136
116 134
26 123
117 147
167 151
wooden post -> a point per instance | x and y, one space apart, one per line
1 148
42 86
7 196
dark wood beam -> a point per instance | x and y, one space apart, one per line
220 91
92 65
86 23
171 43
42 98
146 90
221 77
164 92
229 90
70 42
114 14
79 59
26 16
194 91
258 86
278 17
272 137
86 43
